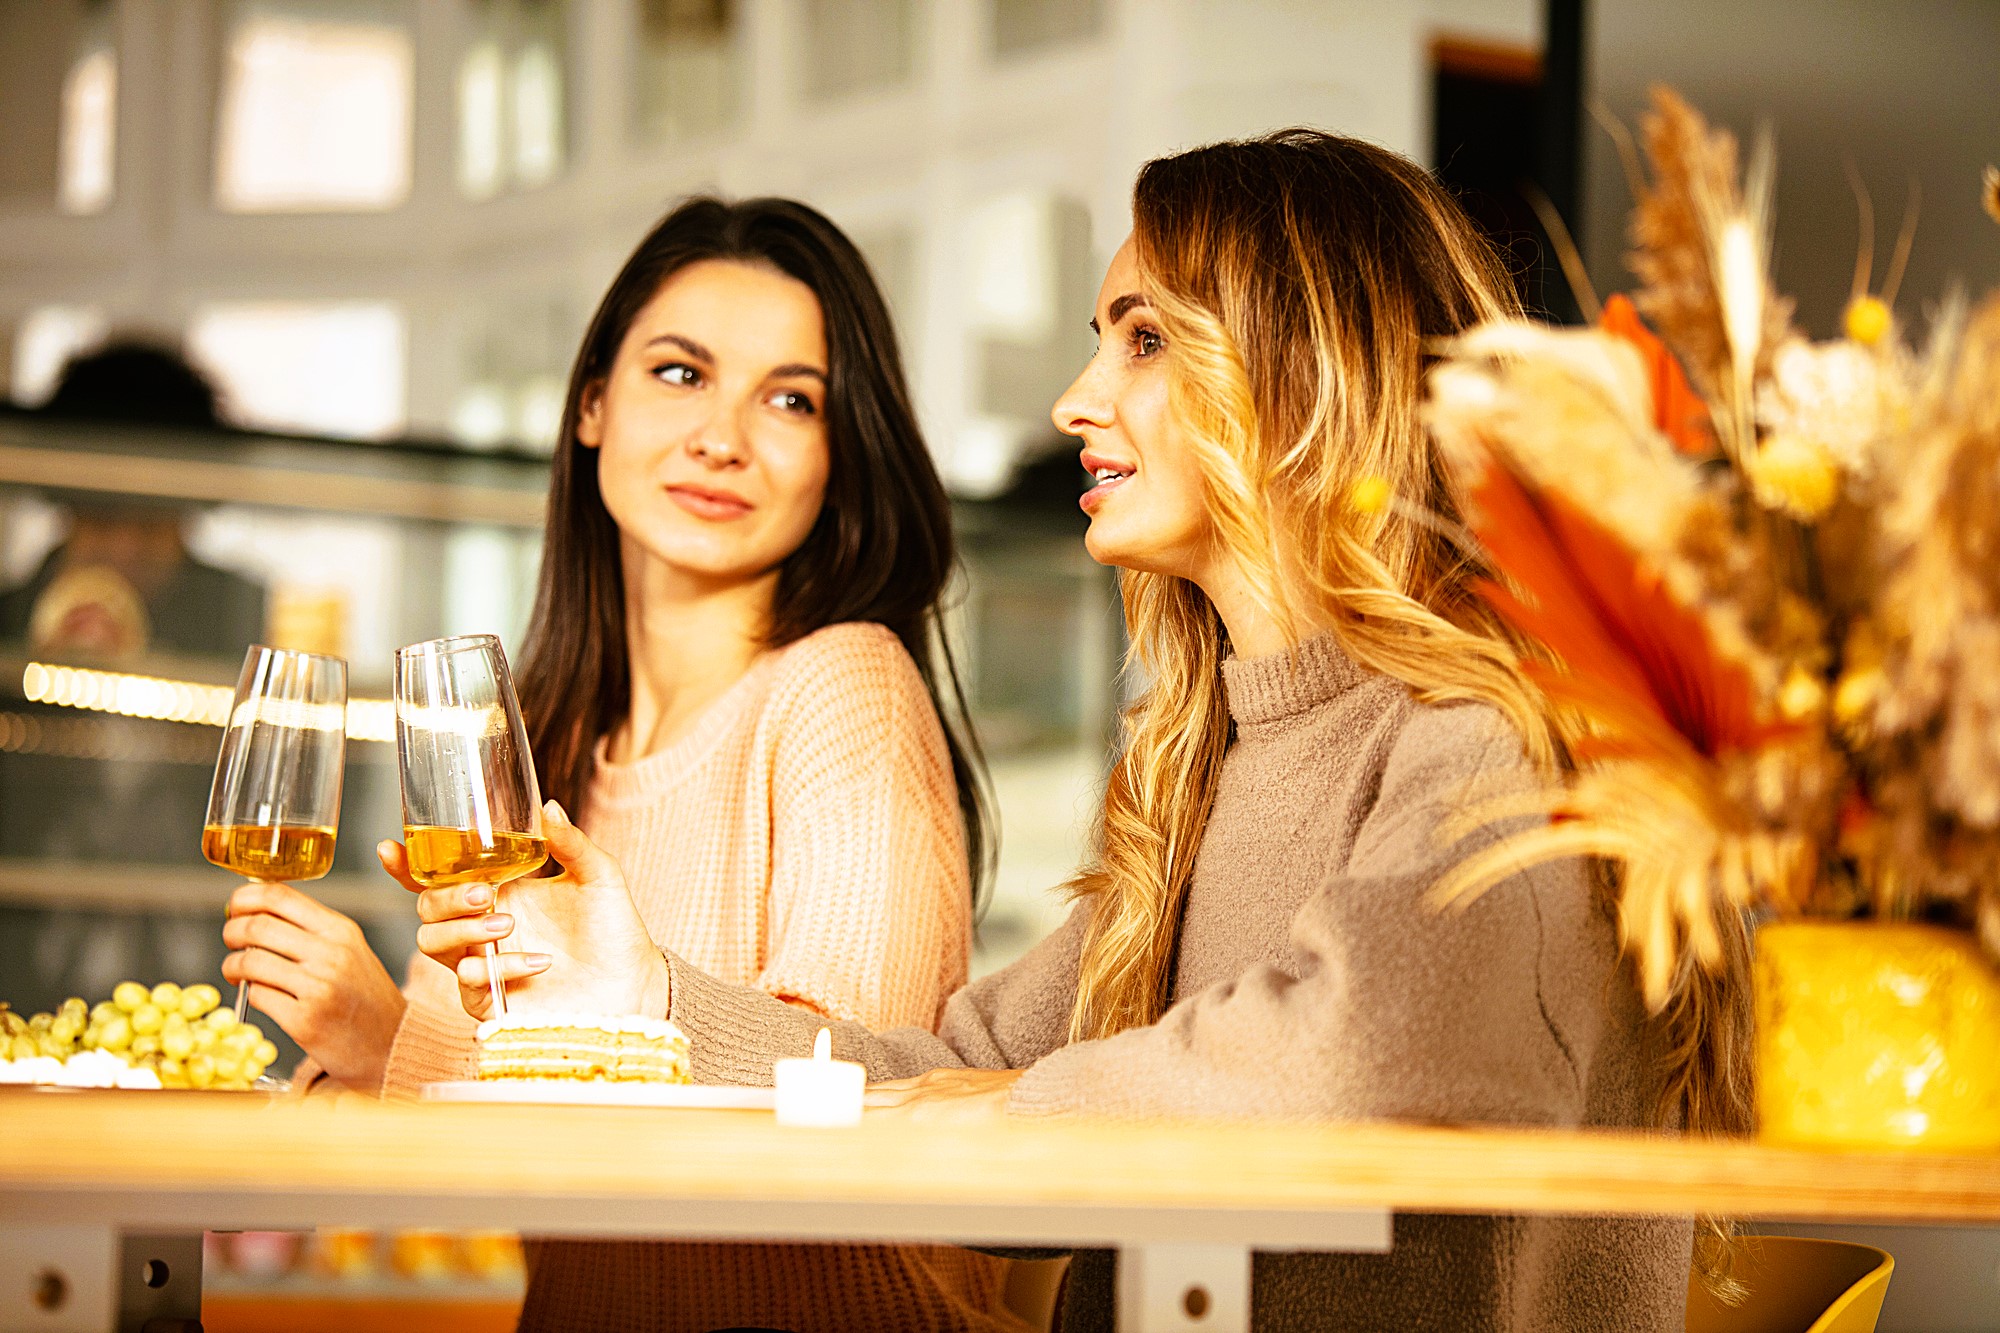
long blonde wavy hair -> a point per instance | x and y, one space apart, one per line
1299 279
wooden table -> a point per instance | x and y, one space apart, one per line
1185 1202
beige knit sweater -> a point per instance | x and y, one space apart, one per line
1313 980
802 838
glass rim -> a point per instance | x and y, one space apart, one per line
300 654
452 643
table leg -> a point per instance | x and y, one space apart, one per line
86 1279
1184 1289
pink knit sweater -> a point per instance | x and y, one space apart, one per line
802 837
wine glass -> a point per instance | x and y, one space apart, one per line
275 805
472 810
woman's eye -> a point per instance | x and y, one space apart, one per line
791 400
1145 342
678 372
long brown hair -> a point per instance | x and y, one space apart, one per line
882 549
1299 279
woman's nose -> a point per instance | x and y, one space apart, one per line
719 442
1083 404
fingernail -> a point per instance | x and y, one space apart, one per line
538 961
479 895
498 925
553 809
384 847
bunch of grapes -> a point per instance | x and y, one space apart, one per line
180 1034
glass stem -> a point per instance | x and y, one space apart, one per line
493 982
243 994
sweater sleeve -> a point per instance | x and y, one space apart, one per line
871 900
436 1042
1007 1020
1393 1009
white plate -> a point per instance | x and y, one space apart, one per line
556 1092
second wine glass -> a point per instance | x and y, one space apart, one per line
472 809
274 809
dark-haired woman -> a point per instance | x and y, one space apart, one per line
734 675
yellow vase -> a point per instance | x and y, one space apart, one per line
1876 1035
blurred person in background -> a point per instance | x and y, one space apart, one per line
122 582
119 589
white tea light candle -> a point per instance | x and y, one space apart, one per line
821 1092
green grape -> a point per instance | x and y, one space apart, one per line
67 1027
147 1019
129 995
240 1040
265 1054
24 1046
41 1023
228 1068
93 1037
200 1071
52 1047
173 1074
74 1005
205 1037
198 999
101 1012
166 997
12 1024
177 1042
145 1044
117 1034
220 1019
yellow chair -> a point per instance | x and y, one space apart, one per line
1798 1286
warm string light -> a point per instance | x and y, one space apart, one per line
153 697
101 739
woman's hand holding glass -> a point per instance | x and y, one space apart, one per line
578 942
310 968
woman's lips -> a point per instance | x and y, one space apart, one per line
715 506
1095 495
1107 474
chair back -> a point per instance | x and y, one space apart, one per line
1798 1285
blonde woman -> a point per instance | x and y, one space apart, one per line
1254 937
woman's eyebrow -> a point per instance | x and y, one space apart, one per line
1120 307
688 345
798 370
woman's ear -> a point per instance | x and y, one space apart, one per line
590 420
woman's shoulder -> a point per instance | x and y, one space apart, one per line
855 665
1439 749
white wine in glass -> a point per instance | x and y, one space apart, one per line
472 809
274 809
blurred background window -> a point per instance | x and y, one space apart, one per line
313 111
58 103
512 114
319 368
1026 27
514 375
688 69
857 46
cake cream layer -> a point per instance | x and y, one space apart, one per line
582 1047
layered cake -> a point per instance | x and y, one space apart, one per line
582 1048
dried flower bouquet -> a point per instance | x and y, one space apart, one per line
1766 572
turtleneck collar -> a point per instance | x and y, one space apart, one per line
1282 685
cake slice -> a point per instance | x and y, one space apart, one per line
582 1048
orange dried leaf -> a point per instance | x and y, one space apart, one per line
1678 410
1635 660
